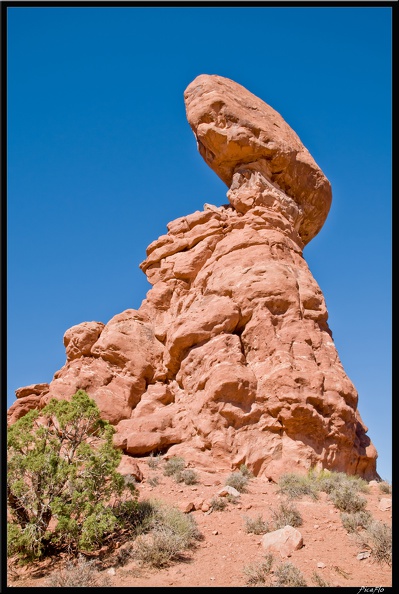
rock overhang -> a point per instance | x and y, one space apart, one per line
235 129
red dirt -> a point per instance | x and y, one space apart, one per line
226 548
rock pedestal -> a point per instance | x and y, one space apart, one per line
229 360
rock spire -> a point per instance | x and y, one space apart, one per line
229 360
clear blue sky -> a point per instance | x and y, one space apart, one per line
101 158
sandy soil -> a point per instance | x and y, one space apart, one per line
227 548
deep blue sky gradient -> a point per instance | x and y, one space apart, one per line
101 158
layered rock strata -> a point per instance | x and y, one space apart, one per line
229 360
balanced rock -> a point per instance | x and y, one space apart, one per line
229 359
256 153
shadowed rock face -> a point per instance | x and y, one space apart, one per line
229 359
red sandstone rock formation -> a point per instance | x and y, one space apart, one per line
229 359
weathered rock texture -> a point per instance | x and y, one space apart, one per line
229 359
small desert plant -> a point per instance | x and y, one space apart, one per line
237 480
286 514
360 519
378 536
245 471
130 480
258 574
287 575
188 477
122 556
320 581
80 575
180 523
153 481
170 533
295 486
331 481
154 460
232 498
136 516
385 487
173 466
256 525
158 548
218 503
346 499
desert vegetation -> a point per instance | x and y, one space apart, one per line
63 490
65 495
344 491
65 499
79 574
175 467
256 525
239 479
284 574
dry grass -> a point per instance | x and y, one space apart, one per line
284 575
188 477
245 471
331 481
218 503
353 521
81 574
288 576
258 574
378 536
295 486
238 481
320 581
153 480
169 534
286 514
173 466
256 525
154 461
385 487
346 499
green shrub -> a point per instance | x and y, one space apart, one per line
237 480
346 499
286 515
256 525
173 466
287 575
135 516
258 574
62 468
295 486
360 519
331 481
